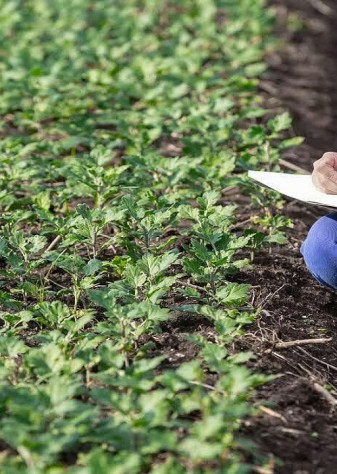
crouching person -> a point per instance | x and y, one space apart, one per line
320 247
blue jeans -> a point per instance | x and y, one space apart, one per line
320 250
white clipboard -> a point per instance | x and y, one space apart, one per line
296 186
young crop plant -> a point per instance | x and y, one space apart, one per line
123 126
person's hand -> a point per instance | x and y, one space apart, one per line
324 175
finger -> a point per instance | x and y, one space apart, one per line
326 171
317 184
324 185
329 158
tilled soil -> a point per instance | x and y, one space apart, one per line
298 431
301 429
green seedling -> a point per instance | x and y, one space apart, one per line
124 126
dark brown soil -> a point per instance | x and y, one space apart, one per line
302 432
299 433
302 76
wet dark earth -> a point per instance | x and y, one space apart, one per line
301 429
297 432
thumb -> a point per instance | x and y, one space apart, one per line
330 158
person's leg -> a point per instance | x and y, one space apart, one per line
320 250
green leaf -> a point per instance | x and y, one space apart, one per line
280 122
233 294
92 267
291 142
198 450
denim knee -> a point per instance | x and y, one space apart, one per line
320 250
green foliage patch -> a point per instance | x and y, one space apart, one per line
122 123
